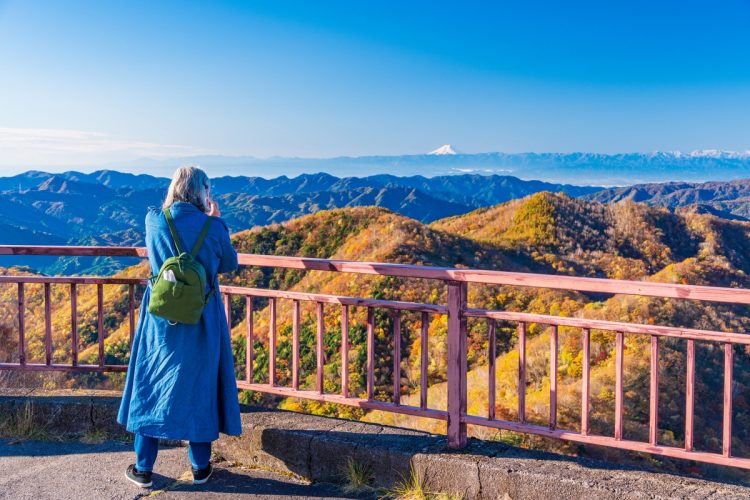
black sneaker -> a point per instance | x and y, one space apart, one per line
142 479
200 476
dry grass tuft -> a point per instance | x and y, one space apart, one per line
21 425
357 476
414 487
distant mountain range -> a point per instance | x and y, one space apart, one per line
571 168
730 200
108 207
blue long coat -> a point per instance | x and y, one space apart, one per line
180 382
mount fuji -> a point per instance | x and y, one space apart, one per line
445 149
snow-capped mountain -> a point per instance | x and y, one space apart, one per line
569 168
701 153
445 149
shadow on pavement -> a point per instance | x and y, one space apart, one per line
19 448
252 482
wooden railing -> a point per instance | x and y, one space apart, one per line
457 312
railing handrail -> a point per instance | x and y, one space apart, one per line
74 251
466 275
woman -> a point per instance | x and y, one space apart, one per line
180 383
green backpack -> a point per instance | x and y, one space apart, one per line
177 292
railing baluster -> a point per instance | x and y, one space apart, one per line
553 377
456 364
21 324
249 339
522 372
272 342
295 344
228 310
397 357
424 361
320 347
47 324
689 395
131 311
370 353
345 351
585 382
653 423
100 320
74 324
619 357
726 447
492 353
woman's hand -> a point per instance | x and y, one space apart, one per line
213 208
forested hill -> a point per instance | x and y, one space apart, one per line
622 240
541 233
727 199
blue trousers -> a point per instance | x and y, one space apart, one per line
146 449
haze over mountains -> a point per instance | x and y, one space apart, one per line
571 168
107 207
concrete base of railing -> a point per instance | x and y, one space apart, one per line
318 448
61 413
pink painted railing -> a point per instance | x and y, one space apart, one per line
457 312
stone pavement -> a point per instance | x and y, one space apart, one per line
42 470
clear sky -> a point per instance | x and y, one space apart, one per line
93 81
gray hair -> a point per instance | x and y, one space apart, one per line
189 184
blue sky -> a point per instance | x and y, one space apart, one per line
92 82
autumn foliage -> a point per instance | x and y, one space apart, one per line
545 232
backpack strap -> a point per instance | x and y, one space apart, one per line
173 231
176 237
201 237
196 249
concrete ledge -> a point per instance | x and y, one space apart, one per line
64 413
68 414
318 448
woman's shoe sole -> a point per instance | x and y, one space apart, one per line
203 481
142 485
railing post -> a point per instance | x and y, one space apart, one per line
21 325
74 325
423 365
295 344
586 382
100 321
249 339
456 364
345 351
320 349
522 372
272 342
370 353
